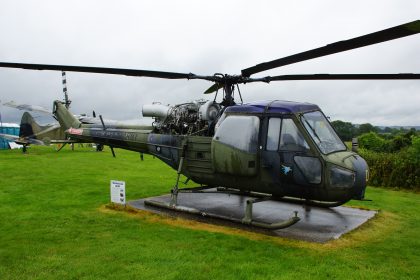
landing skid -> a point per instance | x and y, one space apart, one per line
246 220
317 203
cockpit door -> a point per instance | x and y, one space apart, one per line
285 153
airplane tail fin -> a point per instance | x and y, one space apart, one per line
28 126
64 116
33 133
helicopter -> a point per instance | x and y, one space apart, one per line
266 149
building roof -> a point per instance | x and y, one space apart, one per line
276 106
9 125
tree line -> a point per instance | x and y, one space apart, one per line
347 130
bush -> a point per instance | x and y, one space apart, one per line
393 162
400 169
373 142
415 144
399 142
385 142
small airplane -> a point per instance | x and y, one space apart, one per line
267 149
33 133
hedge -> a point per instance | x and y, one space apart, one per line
396 170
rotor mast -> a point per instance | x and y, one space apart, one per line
228 98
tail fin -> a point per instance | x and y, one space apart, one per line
28 126
64 117
31 131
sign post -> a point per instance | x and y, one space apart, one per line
118 192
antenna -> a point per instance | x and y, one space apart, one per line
67 101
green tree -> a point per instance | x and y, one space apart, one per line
366 128
415 141
399 142
345 130
387 130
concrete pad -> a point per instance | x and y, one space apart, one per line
317 225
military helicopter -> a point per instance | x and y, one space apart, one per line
268 149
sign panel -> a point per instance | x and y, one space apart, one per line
118 192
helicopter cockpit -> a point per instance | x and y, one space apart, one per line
287 144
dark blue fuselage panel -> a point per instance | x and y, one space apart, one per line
273 107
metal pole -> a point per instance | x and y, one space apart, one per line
66 97
174 191
355 145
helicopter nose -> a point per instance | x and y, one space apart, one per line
362 175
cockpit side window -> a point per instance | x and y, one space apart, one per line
291 139
240 132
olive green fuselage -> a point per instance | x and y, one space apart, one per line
210 161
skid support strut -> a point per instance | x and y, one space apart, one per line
175 190
279 225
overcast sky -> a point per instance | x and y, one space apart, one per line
205 37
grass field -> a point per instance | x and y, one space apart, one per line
53 225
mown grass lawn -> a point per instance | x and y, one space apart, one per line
53 225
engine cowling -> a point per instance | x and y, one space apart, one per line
195 117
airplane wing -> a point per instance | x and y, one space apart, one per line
26 107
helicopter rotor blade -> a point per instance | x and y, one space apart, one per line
100 70
215 87
392 33
400 76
